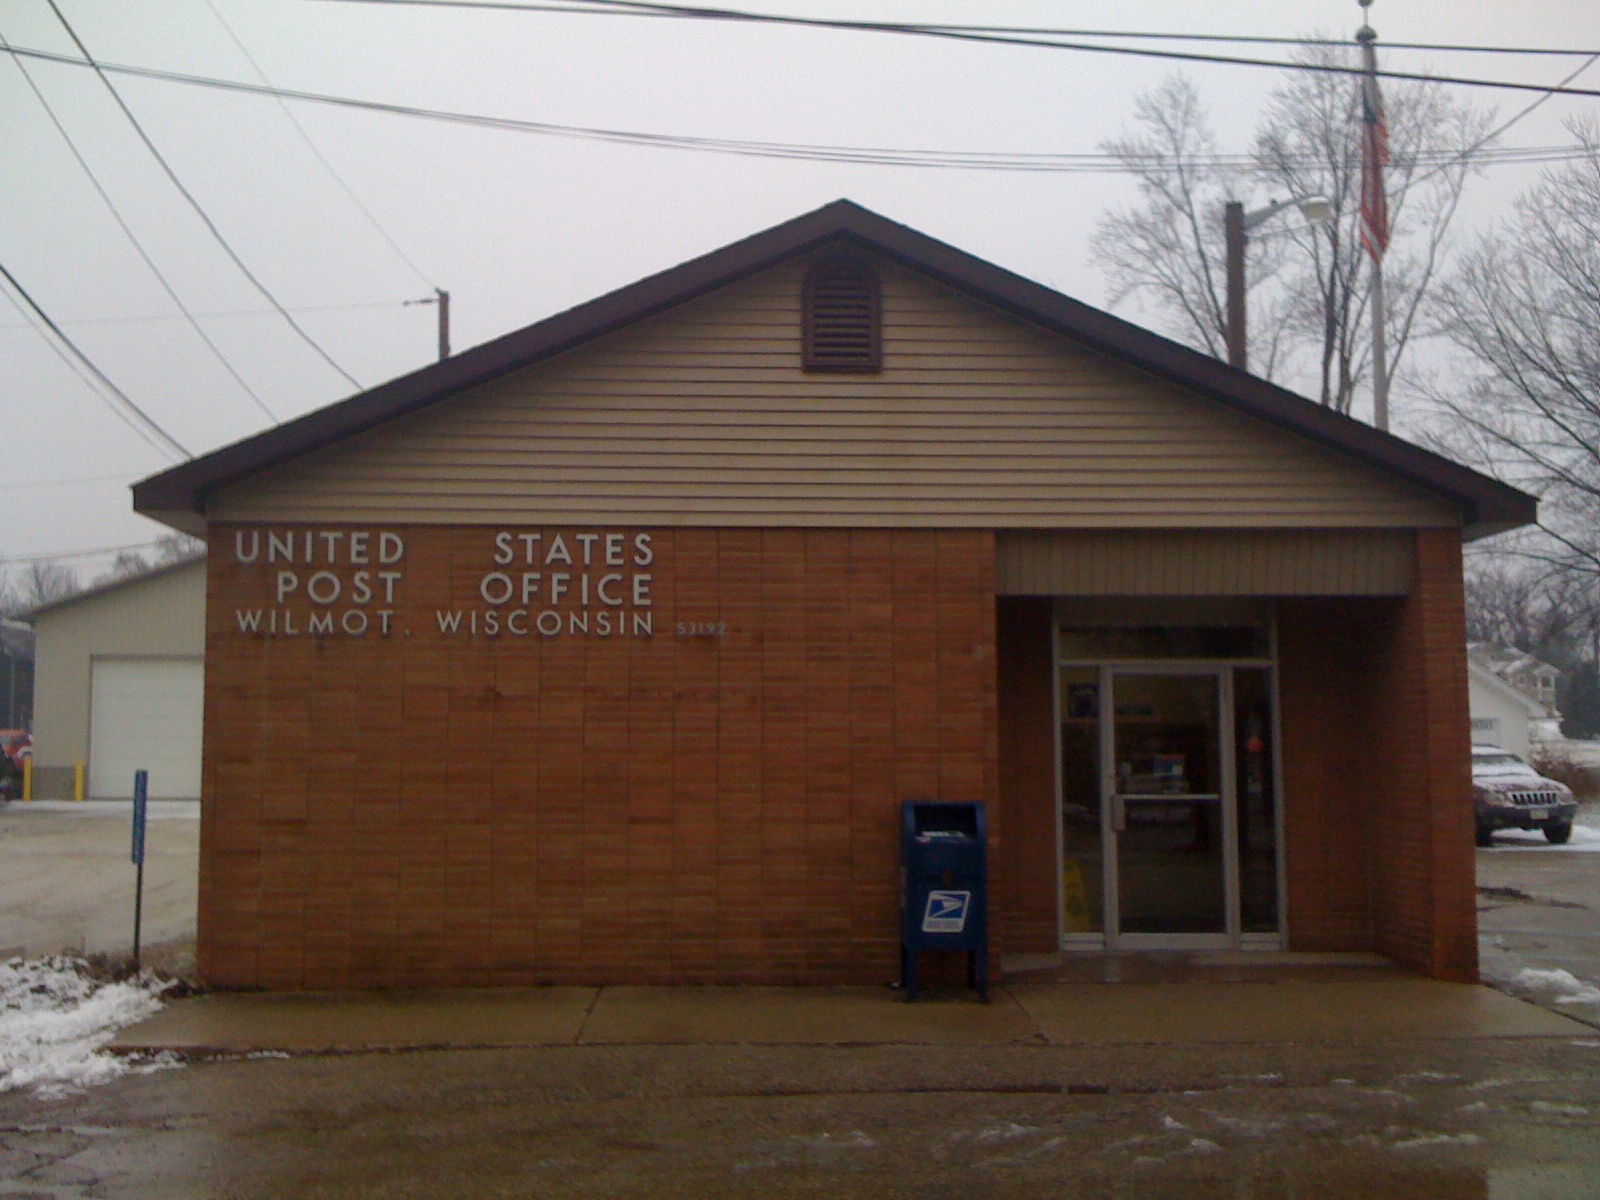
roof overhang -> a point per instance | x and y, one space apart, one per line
178 496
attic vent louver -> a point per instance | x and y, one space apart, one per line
843 325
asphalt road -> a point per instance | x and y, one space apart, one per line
1510 1118
1506 1118
1540 907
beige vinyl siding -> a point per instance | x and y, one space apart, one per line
1288 562
702 416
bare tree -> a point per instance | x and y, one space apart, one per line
45 582
127 564
1308 285
178 547
1525 307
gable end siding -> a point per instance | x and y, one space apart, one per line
703 416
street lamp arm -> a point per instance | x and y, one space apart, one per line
1235 224
1315 209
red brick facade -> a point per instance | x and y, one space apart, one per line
693 805
1378 803
717 799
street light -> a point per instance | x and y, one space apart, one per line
1236 223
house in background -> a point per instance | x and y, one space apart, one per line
1512 696
119 686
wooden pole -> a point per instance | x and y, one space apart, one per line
1233 230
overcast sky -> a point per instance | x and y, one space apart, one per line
518 226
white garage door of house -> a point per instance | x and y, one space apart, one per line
146 712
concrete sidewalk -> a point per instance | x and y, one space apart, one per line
1396 1007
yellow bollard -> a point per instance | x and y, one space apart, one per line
27 779
77 780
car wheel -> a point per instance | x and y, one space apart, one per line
1558 832
1483 834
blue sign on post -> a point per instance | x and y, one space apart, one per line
141 791
141 804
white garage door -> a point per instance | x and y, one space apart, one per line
146 713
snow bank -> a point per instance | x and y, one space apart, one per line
56 1019
1563 986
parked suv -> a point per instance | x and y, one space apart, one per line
1509 794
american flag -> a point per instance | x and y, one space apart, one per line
1374 157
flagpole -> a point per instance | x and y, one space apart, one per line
1377 236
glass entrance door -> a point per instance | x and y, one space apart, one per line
1167 775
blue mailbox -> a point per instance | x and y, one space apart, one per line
944 859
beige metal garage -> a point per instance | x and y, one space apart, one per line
119 685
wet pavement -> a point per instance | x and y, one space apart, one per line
1509 1117
1311 1003
1539 907
1249 1079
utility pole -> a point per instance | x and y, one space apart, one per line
1375 211
1233 230
442 299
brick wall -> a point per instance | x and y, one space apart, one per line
1027 895
1377 804
431 808
1331 775
1424 881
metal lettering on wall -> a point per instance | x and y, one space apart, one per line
592 585
536 583
325 582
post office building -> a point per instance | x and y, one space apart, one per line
608 651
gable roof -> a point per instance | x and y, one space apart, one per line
178 496
121 583
1477 673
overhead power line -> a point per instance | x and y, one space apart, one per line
193 203
41 485
136 319
975 34
133 239
631 8
317 152
59 555
871 156
130 413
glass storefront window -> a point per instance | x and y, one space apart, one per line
1082 877
1257 800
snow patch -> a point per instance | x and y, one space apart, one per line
1004 1133
56 1020
1560 1110
1437 1139
1567 987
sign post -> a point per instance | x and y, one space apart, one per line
141 791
